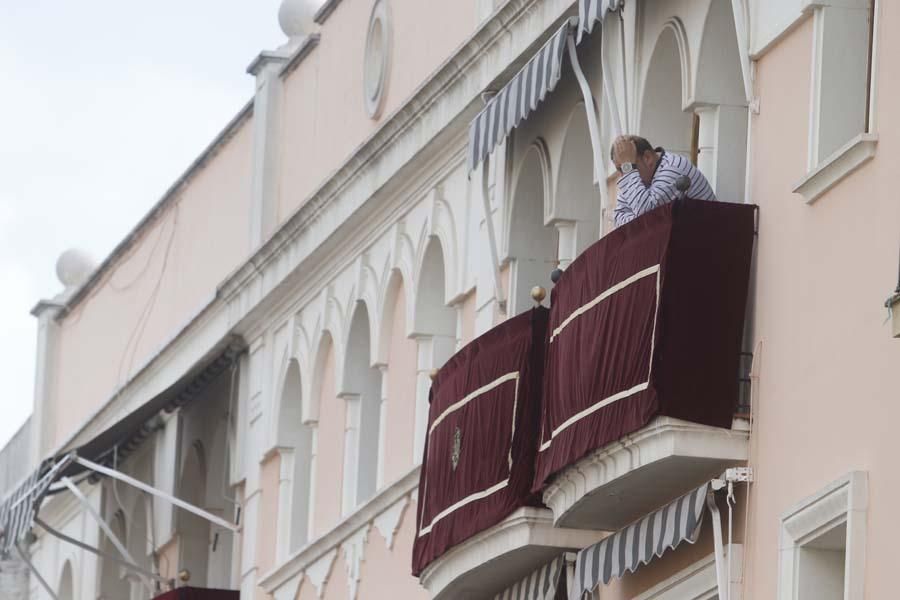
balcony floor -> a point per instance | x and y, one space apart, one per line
617 484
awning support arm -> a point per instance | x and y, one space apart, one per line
37 574
158 493
107 530
718 548
591 110
128 565
492 236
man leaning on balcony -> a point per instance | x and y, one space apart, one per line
649 176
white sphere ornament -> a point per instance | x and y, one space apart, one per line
73 267
296 17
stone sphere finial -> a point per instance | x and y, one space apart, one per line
296 17
538 294
555 275
73 267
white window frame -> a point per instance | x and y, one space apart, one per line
824 172
842 501
698 581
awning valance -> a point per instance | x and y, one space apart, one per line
593 11
542 584
639 543
518 97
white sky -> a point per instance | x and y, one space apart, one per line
103 104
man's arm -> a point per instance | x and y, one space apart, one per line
622 213
640 198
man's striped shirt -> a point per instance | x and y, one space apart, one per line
635 198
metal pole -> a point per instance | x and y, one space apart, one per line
103 525
158 493
36 573
101 554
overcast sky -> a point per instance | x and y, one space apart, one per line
103 104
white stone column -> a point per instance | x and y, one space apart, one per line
567 243
723 127
285 503
351 451
42 416
382 426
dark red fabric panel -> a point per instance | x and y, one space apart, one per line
191 593
666 338
485 406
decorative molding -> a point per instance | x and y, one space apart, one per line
388 522
836 167
325 11
303 559
354 549
319 571
378 58
631 466
303 50
843 501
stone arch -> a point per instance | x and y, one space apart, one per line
665 91
396 284
434 326
297 440
720 102
361 390
66 586
139 546
532 245
576 197
194 531
113 583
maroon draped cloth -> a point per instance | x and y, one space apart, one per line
482 425
648 321
191 593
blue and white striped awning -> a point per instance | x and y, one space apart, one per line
518 97
639 543
541 584
18 508
593 11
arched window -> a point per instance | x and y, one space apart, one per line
193 531
361 391
297 437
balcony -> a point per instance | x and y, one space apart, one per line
488 562
642 376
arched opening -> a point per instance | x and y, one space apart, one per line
66 583
435 330
297 437
722 105
139 547
533 247
362 394
194 531
577 197
328 445
663 120
113 583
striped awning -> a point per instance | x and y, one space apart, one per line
593 11
541 584
17 510
639 543
518 97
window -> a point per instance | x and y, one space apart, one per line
841 129
823 541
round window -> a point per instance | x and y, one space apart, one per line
377 59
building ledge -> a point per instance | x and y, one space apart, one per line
613 486
493 559
844 161
282 581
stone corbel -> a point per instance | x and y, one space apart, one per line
388 522
354 549
319 571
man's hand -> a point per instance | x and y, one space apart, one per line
624 151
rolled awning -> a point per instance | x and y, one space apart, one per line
594 11
518 97
542 584
639 543
17 510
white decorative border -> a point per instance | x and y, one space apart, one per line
843 501
654 270
512 376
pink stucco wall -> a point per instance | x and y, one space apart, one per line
165 278
330 451
267 533
324 115
401 395
385 573
825 360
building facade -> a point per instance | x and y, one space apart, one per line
260 349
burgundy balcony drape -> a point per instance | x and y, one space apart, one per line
192 593
480 444
648 321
